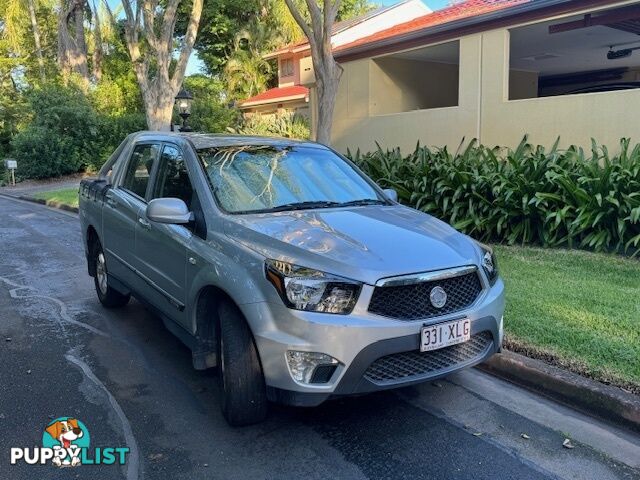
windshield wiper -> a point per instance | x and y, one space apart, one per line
363 201
304 206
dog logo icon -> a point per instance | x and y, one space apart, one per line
67 437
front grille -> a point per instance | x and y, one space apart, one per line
408 366
412 302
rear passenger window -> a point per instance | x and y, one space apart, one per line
139 169
173 179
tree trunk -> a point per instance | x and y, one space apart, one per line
327 84
97 47
63 40
327 70
159 86
72 52
82 67
160 111
36 38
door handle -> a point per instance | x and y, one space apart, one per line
145 223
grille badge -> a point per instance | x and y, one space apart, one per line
438 296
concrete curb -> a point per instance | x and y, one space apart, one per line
589 396
48 203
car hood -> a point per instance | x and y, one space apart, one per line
363 243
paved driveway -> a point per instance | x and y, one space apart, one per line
132 384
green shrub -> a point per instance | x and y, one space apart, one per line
527 195
67 135
209 111
112 130
42 153
285 124
61 137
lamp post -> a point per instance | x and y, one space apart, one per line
183 103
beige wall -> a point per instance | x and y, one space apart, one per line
356 124
368 94
402 85
605 116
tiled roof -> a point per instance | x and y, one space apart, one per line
303 43
276 94
459 11
346 24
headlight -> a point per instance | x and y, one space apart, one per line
489 263
303 288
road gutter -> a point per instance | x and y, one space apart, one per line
50 203
588 396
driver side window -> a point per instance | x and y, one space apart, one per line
140 168
172 179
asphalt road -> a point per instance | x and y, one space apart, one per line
131 383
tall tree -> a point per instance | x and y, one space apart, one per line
246 73
150 35
327 70
98 52
36 37
72 43
221 20
12 29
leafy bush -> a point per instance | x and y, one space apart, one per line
61 136
209 113
67 135
285 124
527 195
112 130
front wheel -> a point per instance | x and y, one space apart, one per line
108 297
244 396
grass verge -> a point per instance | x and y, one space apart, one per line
575 309
67 196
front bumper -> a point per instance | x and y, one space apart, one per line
357 341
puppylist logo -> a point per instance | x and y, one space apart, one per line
65 443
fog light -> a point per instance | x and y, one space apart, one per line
302 364
501 330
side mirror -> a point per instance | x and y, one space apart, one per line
168 210
391 194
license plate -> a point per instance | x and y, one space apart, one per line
443 335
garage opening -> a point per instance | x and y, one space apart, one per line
416 80
586 53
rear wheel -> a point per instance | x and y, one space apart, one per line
108 297
242 386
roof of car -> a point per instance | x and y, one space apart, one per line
211 140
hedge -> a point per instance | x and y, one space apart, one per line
66 134
529 195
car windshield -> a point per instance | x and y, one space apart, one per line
261 178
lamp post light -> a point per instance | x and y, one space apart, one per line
183 103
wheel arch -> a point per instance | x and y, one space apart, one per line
208 299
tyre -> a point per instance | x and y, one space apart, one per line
108 297
242 387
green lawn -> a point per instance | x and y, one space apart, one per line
68 196
577 309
